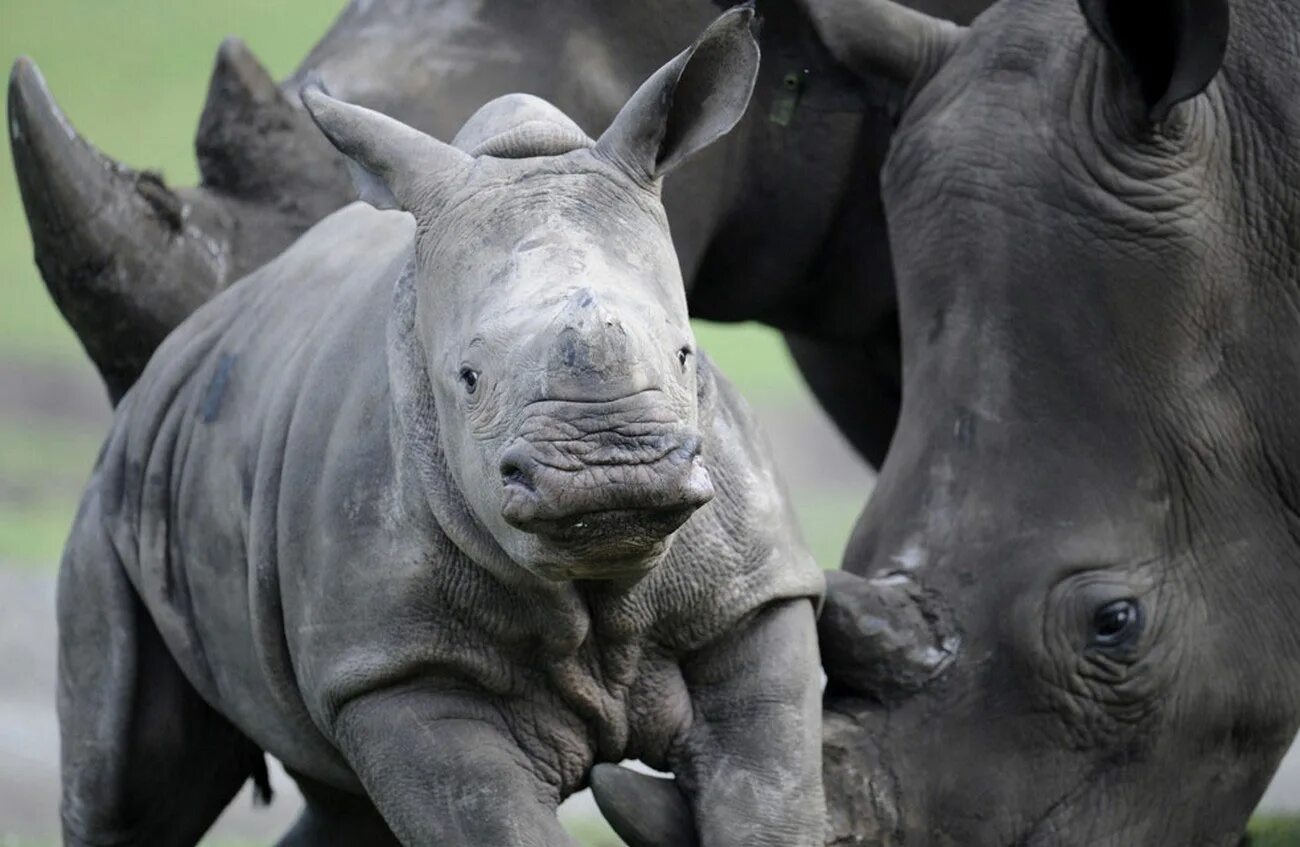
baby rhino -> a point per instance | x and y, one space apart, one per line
444 508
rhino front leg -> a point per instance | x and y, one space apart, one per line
442 769
145 760
751 764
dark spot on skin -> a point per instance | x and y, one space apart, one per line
217 388
963 430
937 324
572 352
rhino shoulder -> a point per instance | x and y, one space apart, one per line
743 550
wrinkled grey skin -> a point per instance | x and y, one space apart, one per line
780 223
443 508
1094 484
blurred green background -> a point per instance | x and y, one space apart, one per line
132 75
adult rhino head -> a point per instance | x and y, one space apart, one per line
1093 217
550 307
1094 220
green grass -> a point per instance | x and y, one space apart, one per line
42 469
32 533
132 76
827 519
1275 832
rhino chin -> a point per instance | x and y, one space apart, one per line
612 544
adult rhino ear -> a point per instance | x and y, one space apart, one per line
1172 48
392 164
688 103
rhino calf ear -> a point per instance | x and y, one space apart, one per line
392 164
688 103
1172 48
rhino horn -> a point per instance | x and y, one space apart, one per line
644 810
257 144
884 637
884 37
100 229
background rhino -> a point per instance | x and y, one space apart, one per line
409 508
780 223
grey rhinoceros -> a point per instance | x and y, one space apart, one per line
780 223
442 508
1094 209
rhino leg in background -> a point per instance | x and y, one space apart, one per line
126 258
171 777
333 818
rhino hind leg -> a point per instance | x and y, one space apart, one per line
145 760
333 818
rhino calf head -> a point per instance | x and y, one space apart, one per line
551 307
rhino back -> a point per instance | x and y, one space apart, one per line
261 401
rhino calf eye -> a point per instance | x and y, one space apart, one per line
469 377
1117 624
682 355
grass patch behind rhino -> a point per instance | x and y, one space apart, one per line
1275 832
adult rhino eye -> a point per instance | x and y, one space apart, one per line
1117 624
682 355
469 377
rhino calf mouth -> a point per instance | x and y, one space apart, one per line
614 528
609 517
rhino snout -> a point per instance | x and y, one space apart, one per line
636 501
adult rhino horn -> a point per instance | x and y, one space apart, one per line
257 144
883 37
884 637
99 229
644 810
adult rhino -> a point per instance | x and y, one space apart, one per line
780 223
1095 219
417 508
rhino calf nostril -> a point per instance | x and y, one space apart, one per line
512 473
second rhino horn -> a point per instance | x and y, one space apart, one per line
257 144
